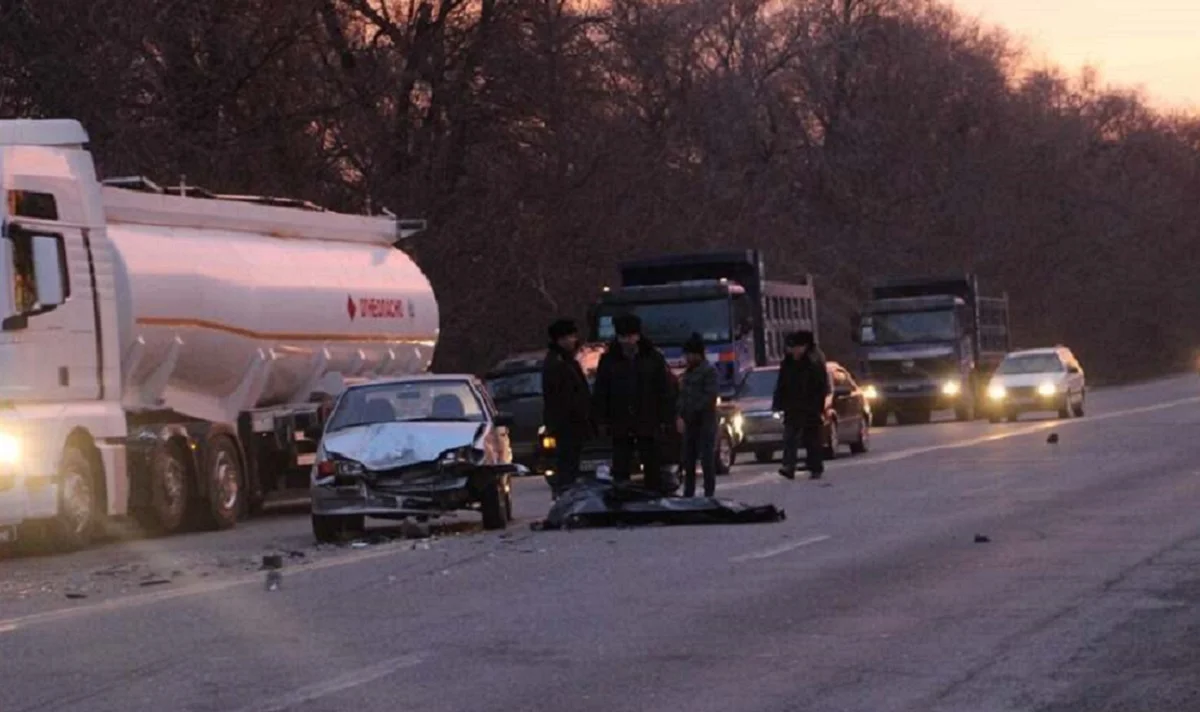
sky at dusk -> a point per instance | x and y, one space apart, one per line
1152 43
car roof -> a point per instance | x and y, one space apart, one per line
417 378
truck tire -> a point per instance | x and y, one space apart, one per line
225 489
725 455
170 492
494 506
80 509
336 528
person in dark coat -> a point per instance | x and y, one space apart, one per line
800 394
566 402
698 418
633 400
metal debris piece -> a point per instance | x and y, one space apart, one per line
982 539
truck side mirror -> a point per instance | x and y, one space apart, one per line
49 271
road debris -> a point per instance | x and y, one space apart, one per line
604 504
274 580
982 539
1052 438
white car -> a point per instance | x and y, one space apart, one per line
1049 379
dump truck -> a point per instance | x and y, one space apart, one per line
168 353
929 344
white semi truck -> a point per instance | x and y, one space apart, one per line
163 352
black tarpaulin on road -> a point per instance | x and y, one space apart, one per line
604 504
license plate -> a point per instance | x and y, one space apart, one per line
8 535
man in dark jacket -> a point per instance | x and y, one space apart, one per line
698 418
800 394
566 402
633 401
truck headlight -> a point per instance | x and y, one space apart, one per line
997 391
10 449
1047 389
951 388
871 393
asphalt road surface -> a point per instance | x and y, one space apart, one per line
873 595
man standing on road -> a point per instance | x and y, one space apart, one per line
800 394
697 421
633 401
566 402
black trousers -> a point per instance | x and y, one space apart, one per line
566 461
647 449
700 443
808 434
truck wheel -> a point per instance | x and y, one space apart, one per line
725 456
222 503
170 492
764 456
494 507
334 529
80 511
863 444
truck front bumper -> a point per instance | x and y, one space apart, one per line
926 395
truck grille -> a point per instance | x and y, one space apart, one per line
914 369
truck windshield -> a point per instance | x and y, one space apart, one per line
672 323
1031 363
909 327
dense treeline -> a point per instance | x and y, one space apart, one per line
544 140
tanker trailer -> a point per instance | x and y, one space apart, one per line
166 353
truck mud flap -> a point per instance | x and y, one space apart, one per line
603 504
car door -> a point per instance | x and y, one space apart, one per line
844 405
499 442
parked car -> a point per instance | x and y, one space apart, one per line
1047 379
847 414
515 384
417 446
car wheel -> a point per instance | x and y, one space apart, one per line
832 443
725 455
80 509
494 507
336 528
764 456
170 492
1064 410
863 444
1078 409
224 492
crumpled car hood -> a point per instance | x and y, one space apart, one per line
383 446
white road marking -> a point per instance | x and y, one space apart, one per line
783 549
352 679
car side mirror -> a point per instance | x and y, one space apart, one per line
503 420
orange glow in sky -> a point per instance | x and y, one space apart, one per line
1154 44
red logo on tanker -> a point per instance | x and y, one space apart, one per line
376 308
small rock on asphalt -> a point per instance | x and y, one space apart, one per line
982 539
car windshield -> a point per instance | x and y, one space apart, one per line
909 327
672 323
1031 363
407 401
759 384
511 386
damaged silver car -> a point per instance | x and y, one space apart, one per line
418 446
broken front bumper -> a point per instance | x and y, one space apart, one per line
398 496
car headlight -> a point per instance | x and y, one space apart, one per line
737 421
997 391
463 455
10 449
871 393
349 468
951 388
549 442
1047 389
